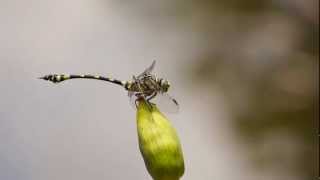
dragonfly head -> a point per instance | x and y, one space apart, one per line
165 85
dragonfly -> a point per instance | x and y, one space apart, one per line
145 86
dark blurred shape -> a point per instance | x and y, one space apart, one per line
269 75
307 10
275 109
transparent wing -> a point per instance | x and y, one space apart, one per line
148 70
166 103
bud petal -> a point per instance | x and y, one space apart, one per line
159 144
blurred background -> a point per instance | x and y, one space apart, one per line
244 72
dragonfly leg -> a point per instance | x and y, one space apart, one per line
141 97
149 104
141 94
152 96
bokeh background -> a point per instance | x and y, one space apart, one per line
245 74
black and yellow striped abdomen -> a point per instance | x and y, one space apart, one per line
56 78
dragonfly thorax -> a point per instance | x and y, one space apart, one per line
147 85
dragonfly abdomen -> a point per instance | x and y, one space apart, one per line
56 78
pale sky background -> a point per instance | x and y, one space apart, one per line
80 130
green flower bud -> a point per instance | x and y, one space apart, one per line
159 144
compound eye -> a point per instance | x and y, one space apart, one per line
166 85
